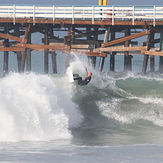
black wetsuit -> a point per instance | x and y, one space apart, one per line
82 82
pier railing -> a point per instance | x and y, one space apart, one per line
92 13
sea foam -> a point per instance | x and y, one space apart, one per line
34 107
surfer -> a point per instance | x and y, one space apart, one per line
84 81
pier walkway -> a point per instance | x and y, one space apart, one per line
98 15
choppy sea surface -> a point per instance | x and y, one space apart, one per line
116 118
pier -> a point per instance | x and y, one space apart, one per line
94 31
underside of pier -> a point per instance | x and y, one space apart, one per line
101 39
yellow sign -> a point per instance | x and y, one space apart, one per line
102 2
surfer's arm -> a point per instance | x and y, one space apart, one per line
86 70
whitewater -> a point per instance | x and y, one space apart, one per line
117 117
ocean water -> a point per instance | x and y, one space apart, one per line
116 118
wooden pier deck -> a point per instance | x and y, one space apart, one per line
91 30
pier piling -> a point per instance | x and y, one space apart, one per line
6 54
148 43
161 57
152 57
102 59
28 58
46 51
6 58
19 60
24 53
126 53
112 54
54 62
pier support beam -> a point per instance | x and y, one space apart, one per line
19 60
46 51
71 32
5 59
23 56
127 58
53 53
54 62
130 62
112 55
102 59
152 57
18 53
161 57
28 59
145 62
152 63
95 38
91 59
22 64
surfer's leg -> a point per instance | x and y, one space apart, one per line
76 76
79 80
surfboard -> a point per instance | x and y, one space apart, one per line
70 75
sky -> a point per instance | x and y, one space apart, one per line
83 2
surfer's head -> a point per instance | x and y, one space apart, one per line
89 74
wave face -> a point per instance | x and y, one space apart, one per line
120 107
134 98
125 98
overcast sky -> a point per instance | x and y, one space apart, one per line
83 2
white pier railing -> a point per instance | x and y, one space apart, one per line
93 13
